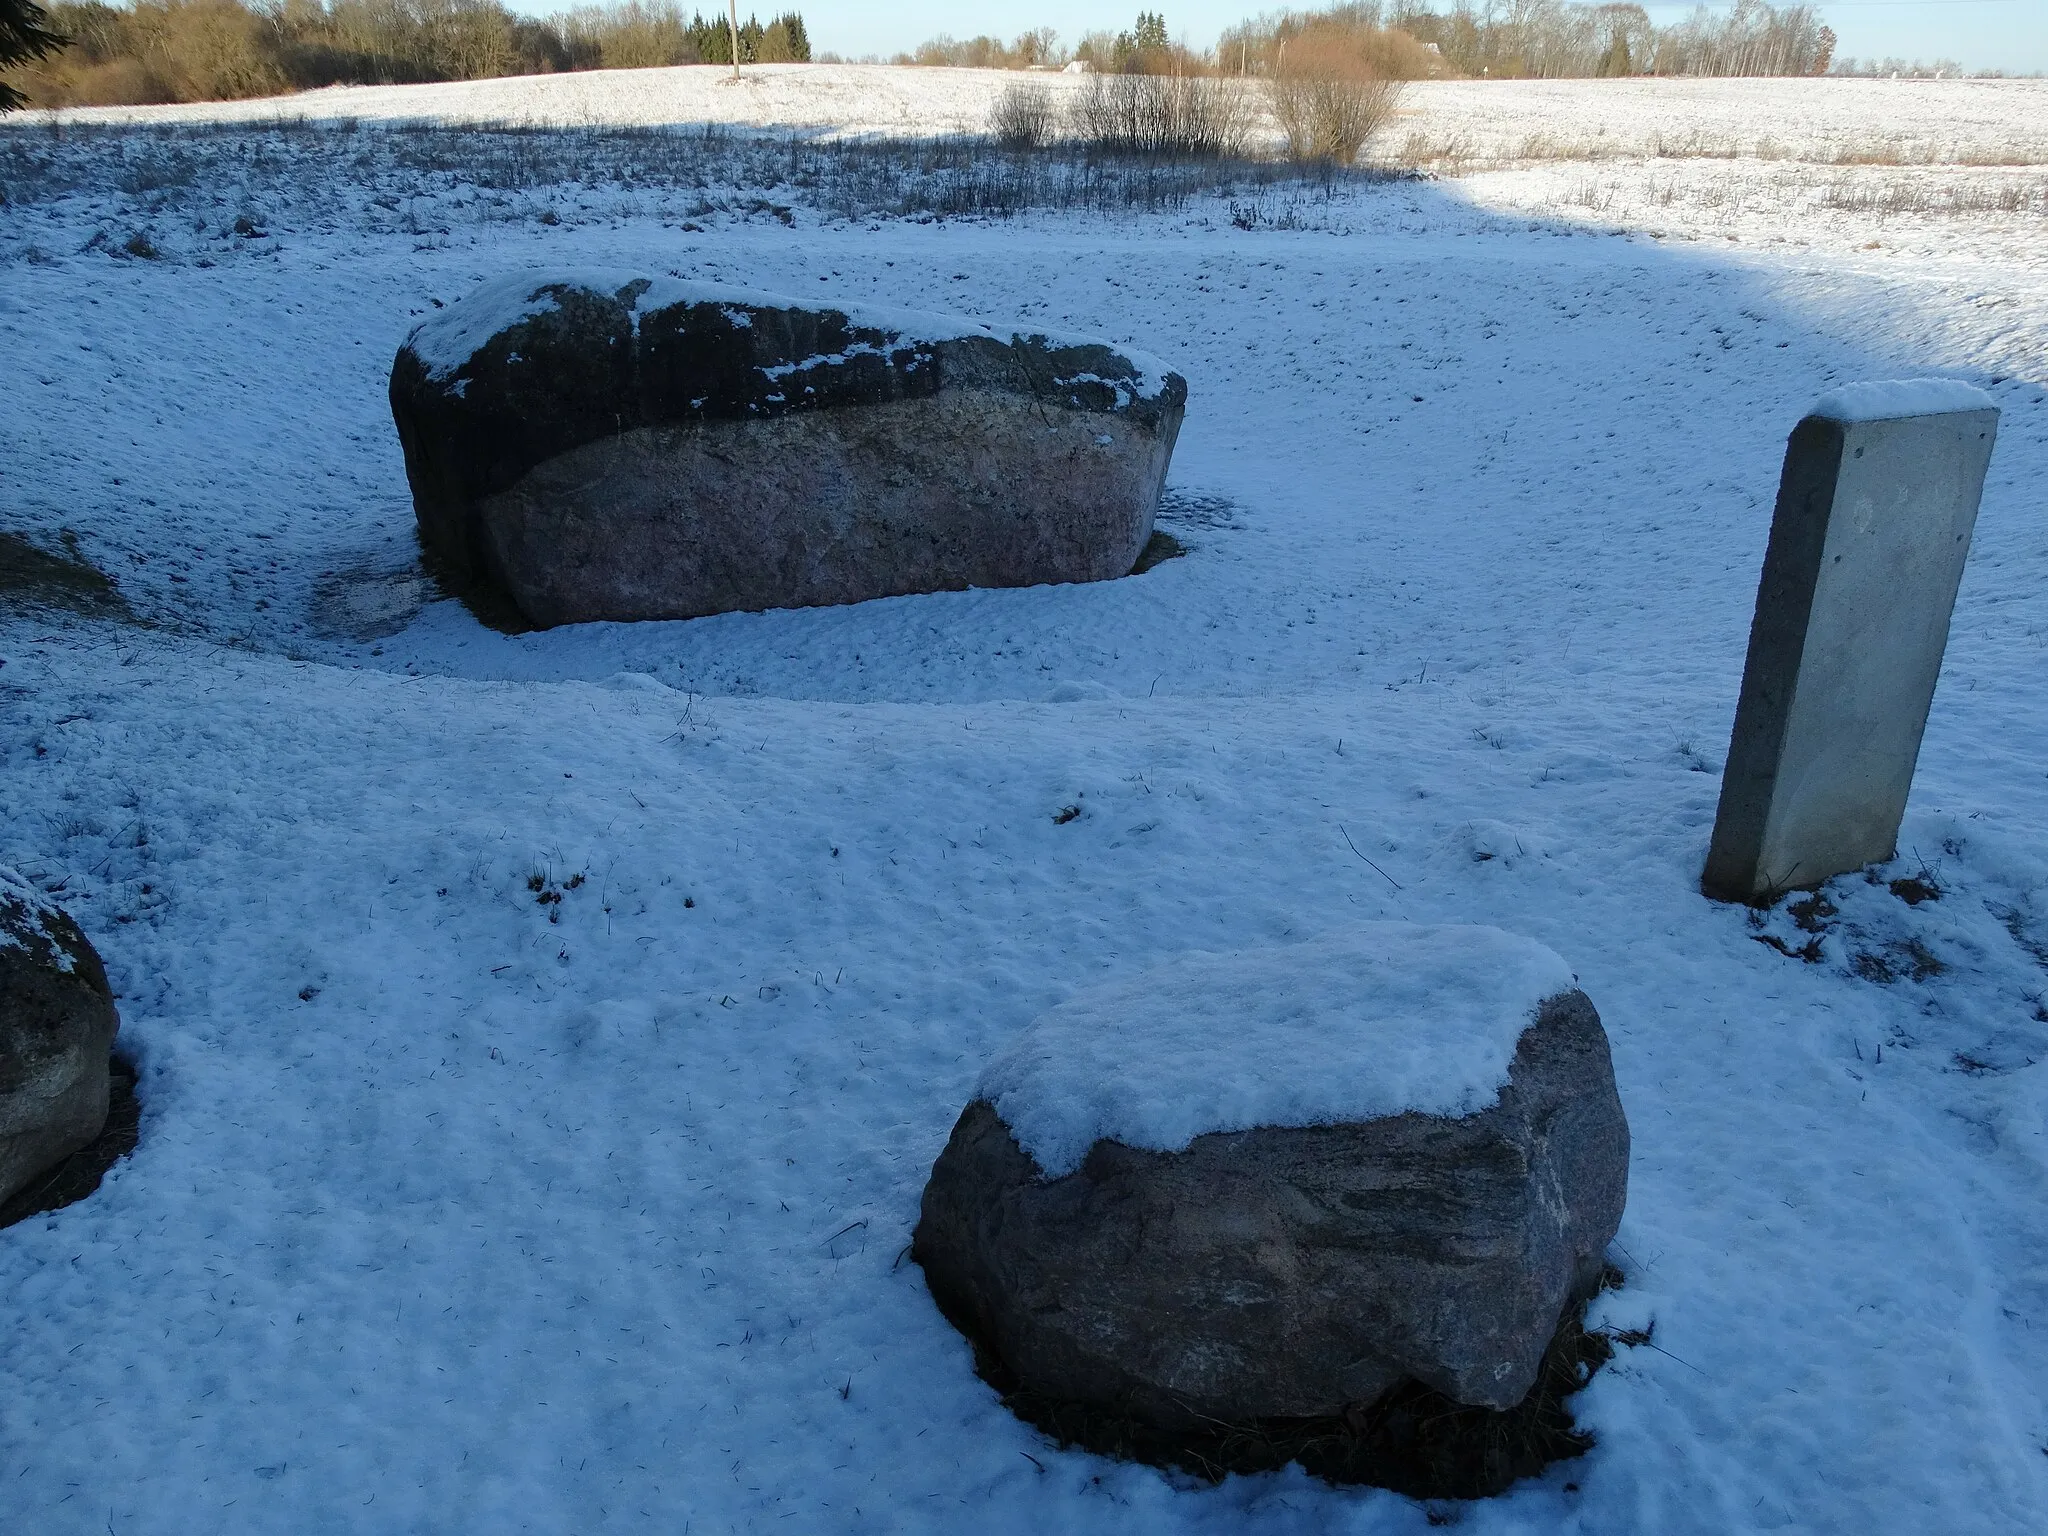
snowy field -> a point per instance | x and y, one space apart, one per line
460 1209
1981 122
1794 162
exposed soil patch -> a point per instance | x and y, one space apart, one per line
1161 547
1413 1440
1907 959
34 577
1811 914
80 1173
369 605
1914 889
486 603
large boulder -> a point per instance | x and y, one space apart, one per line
609 447
1280 1184
57 1025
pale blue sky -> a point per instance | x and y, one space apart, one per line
1983 34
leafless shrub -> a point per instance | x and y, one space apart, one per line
1167 117
1329 97
1023 116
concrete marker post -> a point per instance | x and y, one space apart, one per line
1876 506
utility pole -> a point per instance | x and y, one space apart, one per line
732 19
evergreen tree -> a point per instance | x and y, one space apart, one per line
23 36
1139 50
792 26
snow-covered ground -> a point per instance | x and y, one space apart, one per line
457 1208
1981 122
1890 165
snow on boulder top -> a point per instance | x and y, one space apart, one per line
24 913
446 341
1374 1020
1888 399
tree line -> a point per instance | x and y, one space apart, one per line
88 52
1416 39
1557 39
210 50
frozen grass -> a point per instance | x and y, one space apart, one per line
1869 164
1459 127
185 191
1458 153
1903 166
1887 195
1940 213
402 176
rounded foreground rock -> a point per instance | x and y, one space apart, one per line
600 446
57 1025
1279 1184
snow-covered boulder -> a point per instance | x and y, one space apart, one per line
600 446
1277 1184
57 1024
